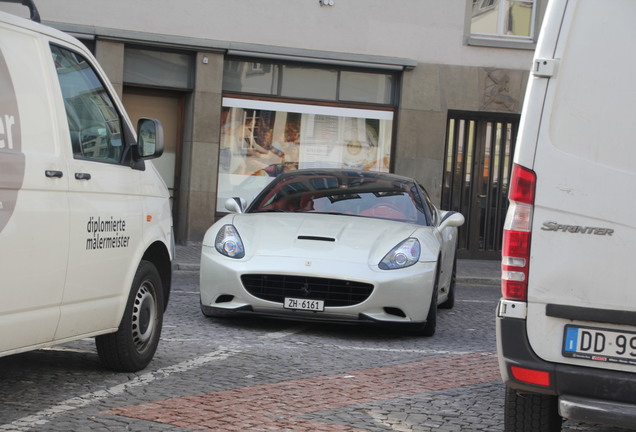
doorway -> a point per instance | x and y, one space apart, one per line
166 106
477 166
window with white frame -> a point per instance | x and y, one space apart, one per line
495 21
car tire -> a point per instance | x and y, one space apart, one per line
528 412
431 319
428 328
133 345
450 299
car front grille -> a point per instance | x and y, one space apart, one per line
335 292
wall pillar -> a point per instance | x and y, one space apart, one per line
201 149
110 56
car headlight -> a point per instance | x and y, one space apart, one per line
403 255
228 242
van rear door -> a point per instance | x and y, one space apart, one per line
584 228
34 219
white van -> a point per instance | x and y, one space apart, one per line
85 224
566 325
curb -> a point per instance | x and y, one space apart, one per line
479 281
184 267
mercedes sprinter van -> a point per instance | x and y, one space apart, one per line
85 222
566 324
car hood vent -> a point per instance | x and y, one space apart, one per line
317 238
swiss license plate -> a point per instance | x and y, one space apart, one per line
600 344
304 304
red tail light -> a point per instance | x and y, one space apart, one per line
517 231
531 376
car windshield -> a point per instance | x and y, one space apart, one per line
367 196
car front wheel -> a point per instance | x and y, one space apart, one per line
450 299
132 347
430 325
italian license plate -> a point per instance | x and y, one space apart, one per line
600 344
304 304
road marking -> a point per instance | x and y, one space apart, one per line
405 350
285 332
42 417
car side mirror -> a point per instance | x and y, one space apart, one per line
235 205
451 219
149 138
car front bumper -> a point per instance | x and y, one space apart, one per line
399 296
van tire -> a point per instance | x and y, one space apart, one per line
528 412
132 347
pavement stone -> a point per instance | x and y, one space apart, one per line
277 405
252 374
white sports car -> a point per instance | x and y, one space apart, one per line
333 245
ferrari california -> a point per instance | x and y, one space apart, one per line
333 245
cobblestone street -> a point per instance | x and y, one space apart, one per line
266 375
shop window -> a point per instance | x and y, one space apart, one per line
158 68
310 82
366 87
503 23
260 140
250 77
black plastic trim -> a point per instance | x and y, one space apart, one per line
587 382
317 238
34 15
594 411
591 314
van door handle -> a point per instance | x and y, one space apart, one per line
82 176
53 173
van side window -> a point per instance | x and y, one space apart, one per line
94 124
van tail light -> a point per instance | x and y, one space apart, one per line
516 236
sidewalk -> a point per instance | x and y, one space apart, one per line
476 272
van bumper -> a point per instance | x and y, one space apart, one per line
585 393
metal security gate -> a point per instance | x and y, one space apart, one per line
477 165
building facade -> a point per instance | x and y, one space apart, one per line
430 89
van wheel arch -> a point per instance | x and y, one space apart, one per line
158 255
133 345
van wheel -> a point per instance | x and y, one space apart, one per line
528 412
132 347
450 300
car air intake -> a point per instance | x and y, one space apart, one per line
335 292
